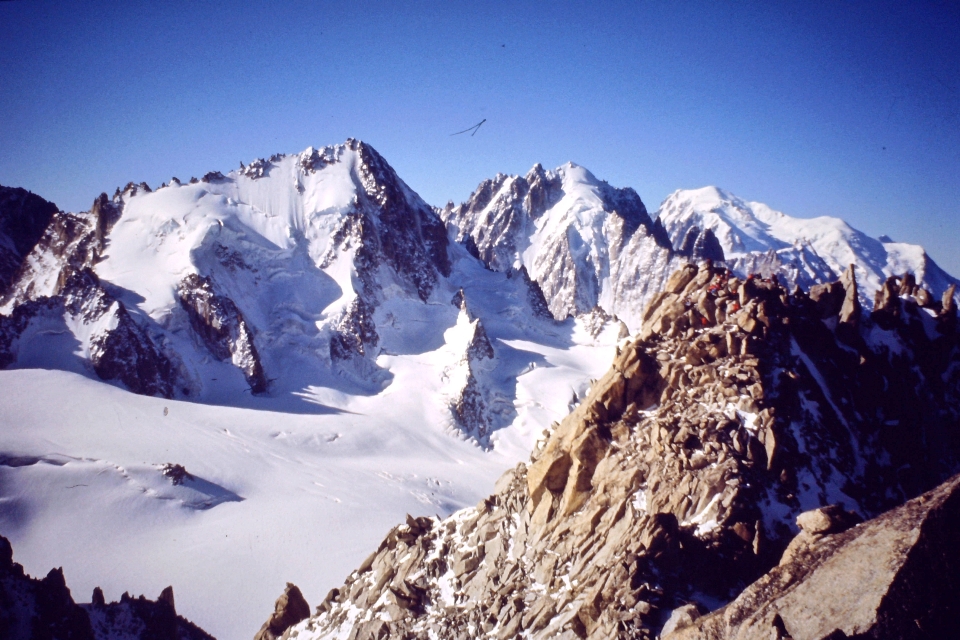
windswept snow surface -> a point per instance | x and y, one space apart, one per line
756 238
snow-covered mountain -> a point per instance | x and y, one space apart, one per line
753 238
271 269
577 237
587 244
325 350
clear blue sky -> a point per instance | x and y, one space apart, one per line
849 109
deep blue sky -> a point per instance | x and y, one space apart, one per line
847 109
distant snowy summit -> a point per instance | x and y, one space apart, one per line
753 238
312 270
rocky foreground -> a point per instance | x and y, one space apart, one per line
42 609
740 415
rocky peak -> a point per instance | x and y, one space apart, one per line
413 239
543 190
291 608
565 227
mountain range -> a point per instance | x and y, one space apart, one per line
307 328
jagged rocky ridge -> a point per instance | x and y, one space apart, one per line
587 244
679 479
33 609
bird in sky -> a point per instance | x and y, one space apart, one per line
474 128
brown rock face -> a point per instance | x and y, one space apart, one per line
897 576
738 415
290 609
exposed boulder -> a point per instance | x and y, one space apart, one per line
290 609
896 576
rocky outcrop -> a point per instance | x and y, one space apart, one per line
70 242
290 609
256 169
356 332
140 618
221 327
896 576
33 609
679 479
472 403
117 347
23 219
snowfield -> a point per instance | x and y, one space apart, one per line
287 488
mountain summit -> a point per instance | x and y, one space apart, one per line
710 223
